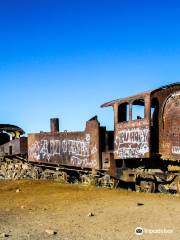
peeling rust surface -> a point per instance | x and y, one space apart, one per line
14 145
78 149
132 142
17 146
170 141
157 134
132 137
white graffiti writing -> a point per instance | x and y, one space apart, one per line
132 143
85 162
78 151
176 149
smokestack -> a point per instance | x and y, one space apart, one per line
54 122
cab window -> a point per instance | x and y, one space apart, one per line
138 109
123 112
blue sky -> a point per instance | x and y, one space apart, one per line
65 58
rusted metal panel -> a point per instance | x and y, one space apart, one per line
77 149
132 137
170 128
14 147
132 140
23 145
168 118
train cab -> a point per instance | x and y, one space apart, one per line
132 123
139 120
146 132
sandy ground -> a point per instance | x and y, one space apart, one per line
43 205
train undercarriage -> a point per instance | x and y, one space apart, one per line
18 167
163 177
140 179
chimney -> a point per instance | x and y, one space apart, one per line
54 122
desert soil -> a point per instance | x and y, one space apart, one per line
29 208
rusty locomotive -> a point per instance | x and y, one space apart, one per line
143 151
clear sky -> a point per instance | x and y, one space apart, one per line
65 58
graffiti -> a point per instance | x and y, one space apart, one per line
78 151
94 150
132 143
176 150
76 161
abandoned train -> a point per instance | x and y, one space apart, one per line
143 150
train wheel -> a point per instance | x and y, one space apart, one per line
113 183
61 177
145 186
106 181
162 189
85 179
178 184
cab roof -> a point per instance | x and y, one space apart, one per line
11 128
111 103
